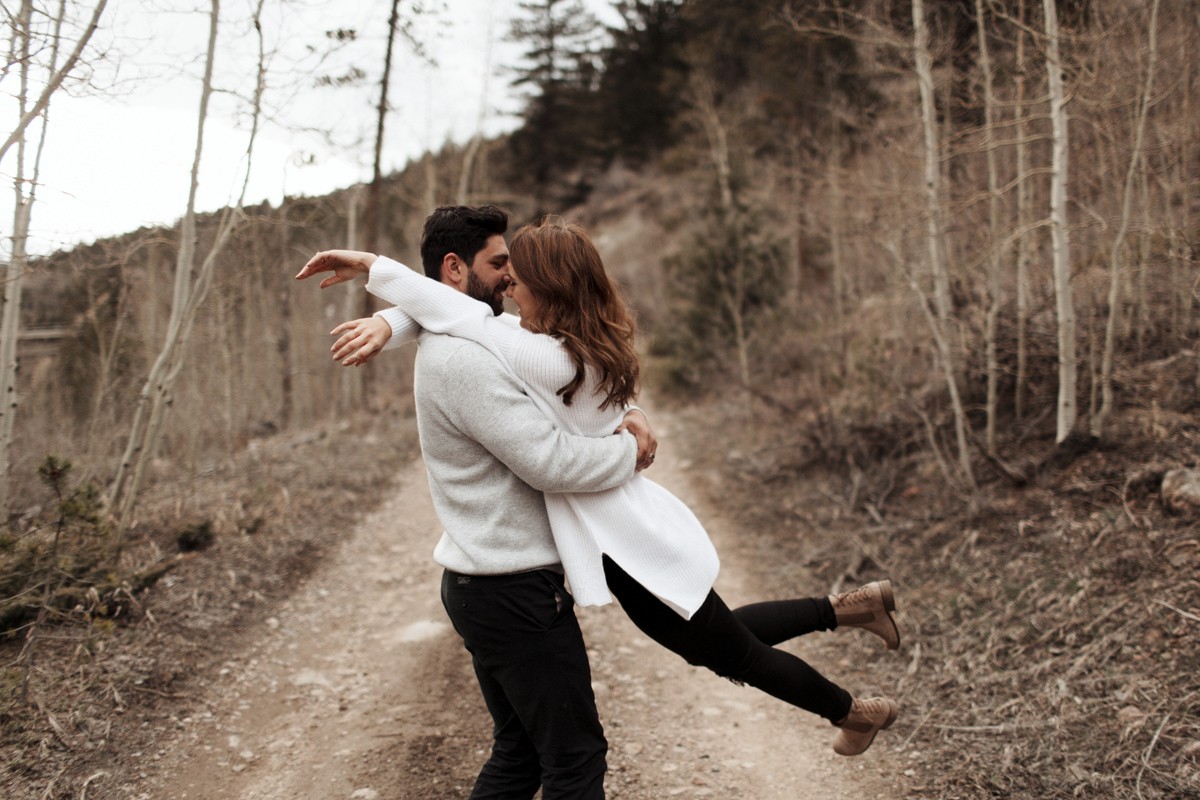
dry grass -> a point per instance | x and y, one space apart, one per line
1052 640
106 686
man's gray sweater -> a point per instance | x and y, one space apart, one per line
491 453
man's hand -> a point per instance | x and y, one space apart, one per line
346 265
636 423
361 340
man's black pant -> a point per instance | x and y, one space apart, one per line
532 667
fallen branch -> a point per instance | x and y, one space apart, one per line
1149 750
1179 611
160 694
83 790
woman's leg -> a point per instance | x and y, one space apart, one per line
715 638
868 607
777 621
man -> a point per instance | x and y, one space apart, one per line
490 454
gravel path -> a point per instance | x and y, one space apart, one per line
358 688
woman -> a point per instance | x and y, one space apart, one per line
573 349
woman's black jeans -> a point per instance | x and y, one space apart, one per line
738 644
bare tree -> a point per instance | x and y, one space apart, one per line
57 77
995 256
733 287
352 379
462 194
191 287
376 186
1118 245
1024 216
25 186
935 240
943 350
1060 240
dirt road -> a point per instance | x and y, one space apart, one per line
358 688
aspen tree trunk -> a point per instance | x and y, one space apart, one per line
287 395
351 379
1060 242
10 317
933 202
155 399
1184 298
10 321
1143 271
107 359
943 348
462 194
796 256
732 286
1114 284
430 182
995 259
375 191
373 197
1093 355
1024 218
228 373
839 281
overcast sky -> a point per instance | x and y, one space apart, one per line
119 159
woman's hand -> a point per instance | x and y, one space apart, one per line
346 265
361 340
636 423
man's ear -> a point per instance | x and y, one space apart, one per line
454 271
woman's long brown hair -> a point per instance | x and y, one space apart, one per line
578 304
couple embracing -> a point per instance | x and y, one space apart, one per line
534 454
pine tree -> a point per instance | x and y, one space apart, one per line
560 71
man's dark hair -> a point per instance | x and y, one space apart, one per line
462 230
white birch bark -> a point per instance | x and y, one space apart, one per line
933 202
1060 241
351 379
10 317
155 398
1024 217
995 256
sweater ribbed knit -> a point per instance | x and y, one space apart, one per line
640 525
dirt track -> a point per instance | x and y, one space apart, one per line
358 688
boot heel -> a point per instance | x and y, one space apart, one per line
889 600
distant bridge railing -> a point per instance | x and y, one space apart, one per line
42 334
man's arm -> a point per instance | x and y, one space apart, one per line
487 404
363 339
637 423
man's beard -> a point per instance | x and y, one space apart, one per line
478 290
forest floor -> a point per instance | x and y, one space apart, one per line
353 684
1051 638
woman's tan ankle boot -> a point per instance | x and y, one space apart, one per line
870 608
866 718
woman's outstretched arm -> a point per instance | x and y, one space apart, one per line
439 308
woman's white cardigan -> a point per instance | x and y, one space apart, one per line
640 525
